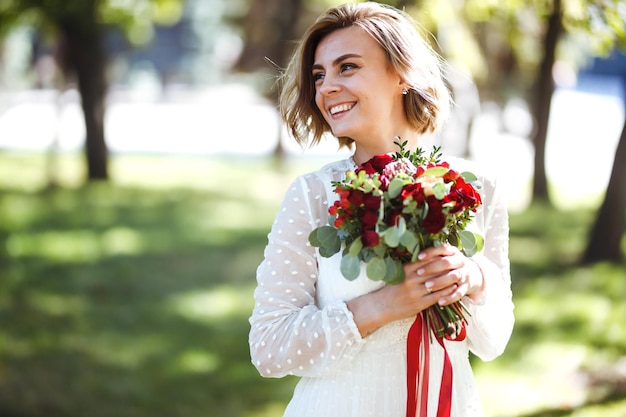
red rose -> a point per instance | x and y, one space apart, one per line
393 216
413 190
376 164
468 193
356 197
369 219
371 202
370 238
435 219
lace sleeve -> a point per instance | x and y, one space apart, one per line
290 334
491 323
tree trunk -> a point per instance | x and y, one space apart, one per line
86 57
605 238
543 91
270 27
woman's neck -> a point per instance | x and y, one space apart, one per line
364 152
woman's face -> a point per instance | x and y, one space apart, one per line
356 90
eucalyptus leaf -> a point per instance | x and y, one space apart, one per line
471 242
409 241
469 176
376 269
395 187
435 172
395 271
392 236
350 267
327 239
356 247
454 240
440 190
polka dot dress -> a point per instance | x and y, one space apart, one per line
301 326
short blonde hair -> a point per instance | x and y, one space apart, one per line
428 100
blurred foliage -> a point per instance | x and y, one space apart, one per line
136 18
131 298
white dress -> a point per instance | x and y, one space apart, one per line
301 326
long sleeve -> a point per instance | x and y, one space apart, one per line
491 323
290 334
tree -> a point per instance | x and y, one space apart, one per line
270 27
79 26
605 238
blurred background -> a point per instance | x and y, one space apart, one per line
142 161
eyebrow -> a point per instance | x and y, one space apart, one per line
338 60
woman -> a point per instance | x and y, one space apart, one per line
364 73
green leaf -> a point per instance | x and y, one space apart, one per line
392 236
454 239
409 241
468 176
329 252
376 269
395 187
435 172
395 271
356 247
327 239
471 242
440 190
350 267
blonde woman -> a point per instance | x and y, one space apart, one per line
363 73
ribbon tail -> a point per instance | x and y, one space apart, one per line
425 369
445 392
413 365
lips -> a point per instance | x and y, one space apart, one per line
340 108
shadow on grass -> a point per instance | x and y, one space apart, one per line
127 302
123 302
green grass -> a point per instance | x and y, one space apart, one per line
131 298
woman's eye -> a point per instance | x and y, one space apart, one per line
318 76
348 67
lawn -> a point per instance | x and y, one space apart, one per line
131 298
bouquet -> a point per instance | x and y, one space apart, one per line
391 208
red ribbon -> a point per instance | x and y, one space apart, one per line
417 374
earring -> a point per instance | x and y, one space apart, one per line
405 92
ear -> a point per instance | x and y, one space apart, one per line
403 85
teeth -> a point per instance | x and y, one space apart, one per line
340 108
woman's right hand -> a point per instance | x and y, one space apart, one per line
395 302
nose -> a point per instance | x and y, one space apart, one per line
328 86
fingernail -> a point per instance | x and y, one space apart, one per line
420 271
428 285
421 256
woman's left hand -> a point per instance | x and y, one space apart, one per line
446 266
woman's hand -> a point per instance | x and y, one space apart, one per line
446 268
441 275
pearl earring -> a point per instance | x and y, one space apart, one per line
405 92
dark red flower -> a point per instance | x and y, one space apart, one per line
369 219
435 220
370 238
376 164
356 197
371 202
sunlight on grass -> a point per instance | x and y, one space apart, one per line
57 305
616 409
205 306
75 245
268 410
120 350
547 375
197 361
68 245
